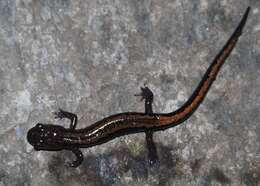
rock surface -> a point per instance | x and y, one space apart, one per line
90 57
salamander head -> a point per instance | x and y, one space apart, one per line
46 137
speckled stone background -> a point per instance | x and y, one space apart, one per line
91 56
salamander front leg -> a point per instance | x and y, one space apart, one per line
64 114
79 158
147 95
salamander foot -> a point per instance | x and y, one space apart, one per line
146 94
79 158
64 114
152 152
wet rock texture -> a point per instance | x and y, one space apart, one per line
91 56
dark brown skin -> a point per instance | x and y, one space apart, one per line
53 138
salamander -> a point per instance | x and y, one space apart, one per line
51 137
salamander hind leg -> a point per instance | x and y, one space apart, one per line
64 114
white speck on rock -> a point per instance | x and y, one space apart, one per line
11 163
28 147
23 104
204 4
186 152
213 151
71 77
23 99
171 105
19 132
181 96
29 18
255 10
257 28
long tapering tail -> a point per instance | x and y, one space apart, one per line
185 111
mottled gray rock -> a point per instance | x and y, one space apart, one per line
91 57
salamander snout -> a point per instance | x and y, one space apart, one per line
34 136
